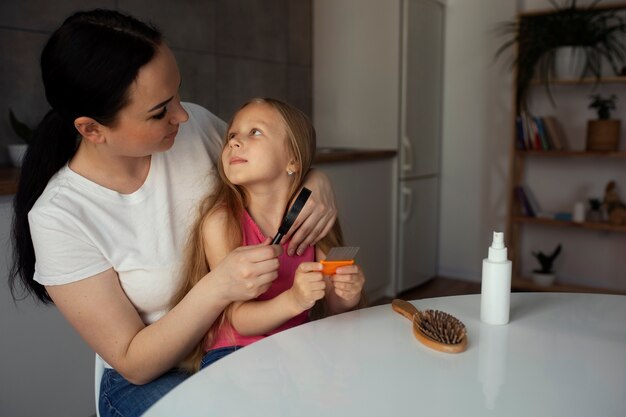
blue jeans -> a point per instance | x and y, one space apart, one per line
214 355
120 398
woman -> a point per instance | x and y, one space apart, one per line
106 198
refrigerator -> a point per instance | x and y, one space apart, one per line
420 141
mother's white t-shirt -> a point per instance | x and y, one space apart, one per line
80 228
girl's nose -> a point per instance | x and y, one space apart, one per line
234 143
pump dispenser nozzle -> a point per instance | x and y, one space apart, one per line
498 240
497 251
496 283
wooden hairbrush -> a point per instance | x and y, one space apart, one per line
435 329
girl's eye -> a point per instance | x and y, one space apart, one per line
160 115
231 135
255 132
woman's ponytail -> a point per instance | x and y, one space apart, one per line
87 67
53 146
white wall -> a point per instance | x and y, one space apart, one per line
356 76
476 135
46 369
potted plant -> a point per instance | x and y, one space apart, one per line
17 151
603 133
594 33
545 276
595 210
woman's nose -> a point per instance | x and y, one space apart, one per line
179 114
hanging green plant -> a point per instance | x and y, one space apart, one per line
598 32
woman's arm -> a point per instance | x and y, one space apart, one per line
317 216
102 314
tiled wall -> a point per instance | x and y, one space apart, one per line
227 51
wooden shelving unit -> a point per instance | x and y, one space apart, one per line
563 223
586 81
526 284
520 158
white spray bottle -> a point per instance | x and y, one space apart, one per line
495 292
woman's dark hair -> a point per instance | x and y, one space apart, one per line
87 68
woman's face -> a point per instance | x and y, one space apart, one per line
149 123
256 151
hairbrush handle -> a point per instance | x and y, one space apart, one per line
404 308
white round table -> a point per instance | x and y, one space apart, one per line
561 355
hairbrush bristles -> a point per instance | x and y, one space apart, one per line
435 329
440 326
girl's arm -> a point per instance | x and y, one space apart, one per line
344 289
317 216
251 318
102 314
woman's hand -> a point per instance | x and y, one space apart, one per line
348 283
308 285
317 216
246 272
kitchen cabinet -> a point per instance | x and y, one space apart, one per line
364 200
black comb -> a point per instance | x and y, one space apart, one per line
292 215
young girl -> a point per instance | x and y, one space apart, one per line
268 149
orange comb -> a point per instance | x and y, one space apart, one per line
338 257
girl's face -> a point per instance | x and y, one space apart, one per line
149 123
256 151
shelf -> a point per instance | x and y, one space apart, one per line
564 223
614 6
8 180
574 154
528 285
586 80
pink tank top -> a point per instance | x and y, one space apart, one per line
227 335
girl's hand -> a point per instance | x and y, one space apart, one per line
348 284
246 272
308 285
317 216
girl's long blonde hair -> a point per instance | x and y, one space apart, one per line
301 145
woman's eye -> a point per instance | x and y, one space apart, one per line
160 115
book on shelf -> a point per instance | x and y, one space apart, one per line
528 203
532 200
523 201
546 143
539 133
555 132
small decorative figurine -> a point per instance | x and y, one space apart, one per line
615 207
